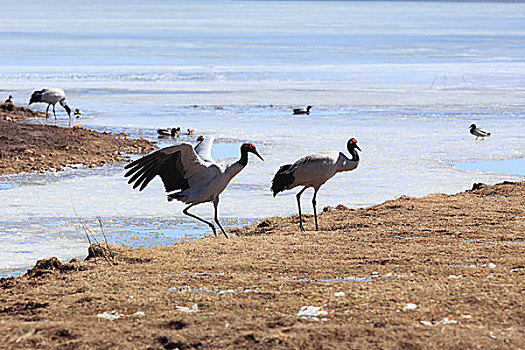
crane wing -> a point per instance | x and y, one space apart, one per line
178 166
203 149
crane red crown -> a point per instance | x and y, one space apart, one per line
353 140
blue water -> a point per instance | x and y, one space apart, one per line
404 78
506 166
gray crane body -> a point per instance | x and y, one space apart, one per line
206 186
316 169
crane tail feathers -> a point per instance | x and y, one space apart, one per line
283 179
177 196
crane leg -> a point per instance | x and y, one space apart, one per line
299 205
314 202
54 112
216 216
185 211
47 110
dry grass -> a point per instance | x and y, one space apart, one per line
409 250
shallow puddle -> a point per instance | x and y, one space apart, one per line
514 166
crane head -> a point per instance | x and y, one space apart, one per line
352 143
249 147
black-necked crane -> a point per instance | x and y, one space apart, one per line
51 97
478 132
313 171
168 132
302 110
9 99
189 174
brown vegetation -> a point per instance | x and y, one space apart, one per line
458 258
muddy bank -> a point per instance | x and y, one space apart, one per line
37 148
442 271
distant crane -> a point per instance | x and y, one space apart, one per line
302 110
478 132
9 99
51 97
313 171
192 171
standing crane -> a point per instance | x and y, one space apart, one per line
478 132
302 110
51 97
313 171
189 175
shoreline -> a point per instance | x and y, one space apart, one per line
36 148
440 271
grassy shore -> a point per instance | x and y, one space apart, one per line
438 272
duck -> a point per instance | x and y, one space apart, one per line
9 99
190 132
302 110
478 132
78 113
168 132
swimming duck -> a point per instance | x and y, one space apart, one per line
478 132
302 110
190 132
78 113
9 100
168 132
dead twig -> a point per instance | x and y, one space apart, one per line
105 238
87 231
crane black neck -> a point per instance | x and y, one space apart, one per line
353 152
244 157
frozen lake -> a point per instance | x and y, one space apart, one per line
406 79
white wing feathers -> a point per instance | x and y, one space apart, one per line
203 149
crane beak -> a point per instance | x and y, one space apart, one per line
356 146
257 154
